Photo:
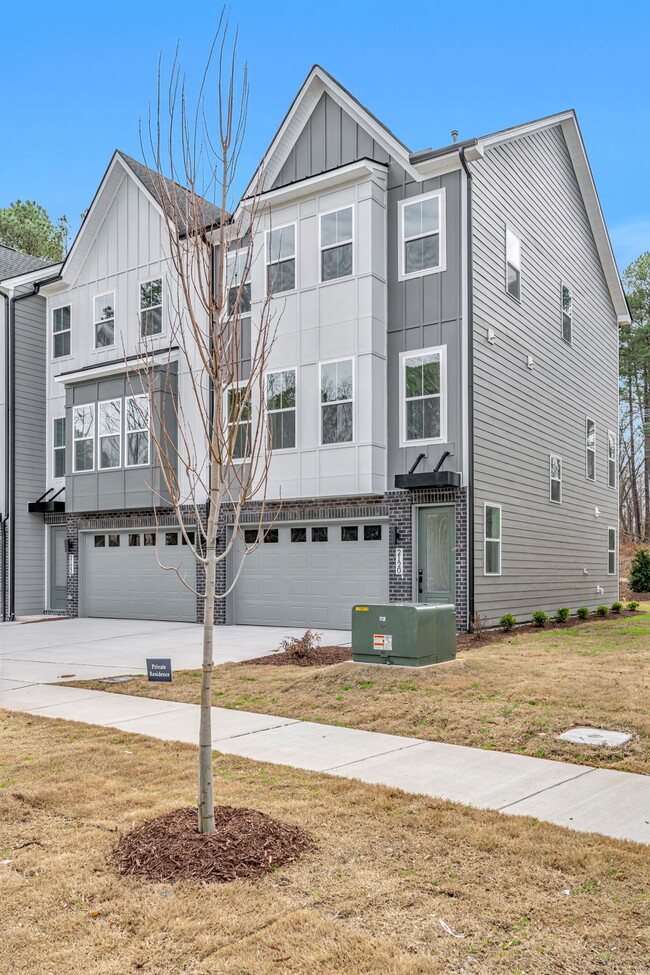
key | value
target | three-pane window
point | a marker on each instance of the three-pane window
(58, 447)
(151, 307)
(61, 332)
(567, 313)
(83, 437)
(492, 555)
(611, 458)
(239, 422)
(513, 264)
(281, 409)
(137, 431)
(422, 381)
(109, 431)
(590, 447)
(556, 478)
(422, 232)
(104, 306)
(336, 244)
(611, 551)
(281, 259)
(337, 402)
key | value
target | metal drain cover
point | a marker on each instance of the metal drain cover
(595, 736)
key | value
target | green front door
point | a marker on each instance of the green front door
(58, 568)
(435, 562)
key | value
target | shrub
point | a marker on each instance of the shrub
(539, 618)
(639, 575)
(301, 646)
(617, 607)
(632, 606)
(602, 610)
(507, 621)
(478, 624)
(562, 614)
(583, 612)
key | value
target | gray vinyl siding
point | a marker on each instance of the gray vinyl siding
(30, 454)
(521, 415)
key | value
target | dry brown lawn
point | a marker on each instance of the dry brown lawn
(529, 898)
(514, 696)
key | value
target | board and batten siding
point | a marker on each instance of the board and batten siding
(522, 415)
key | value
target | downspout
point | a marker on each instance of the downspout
(5, 516)
(470, 398)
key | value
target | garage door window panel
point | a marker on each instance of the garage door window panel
(349, 533)
(137, 432)
(281, 409)
(337, 402)
(109, 428)
(319, 534)
(83, 433)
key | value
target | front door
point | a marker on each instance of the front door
(58, 568)
(436, 546)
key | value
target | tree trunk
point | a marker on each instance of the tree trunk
(206, 791)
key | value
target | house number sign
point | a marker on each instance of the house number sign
(399, 561)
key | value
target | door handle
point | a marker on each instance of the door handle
(419, 580)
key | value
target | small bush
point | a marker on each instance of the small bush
(478, 624)
(617, 607)
(632, 606)
(507, 621)
(583, 612)
(562, 614)
(301, 646)
(639, 576)
(539, 618)
(602, 610)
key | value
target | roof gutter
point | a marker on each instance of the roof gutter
(471, 602)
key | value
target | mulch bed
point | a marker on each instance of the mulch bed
(246, 843)
(627, 595)
(319, 657)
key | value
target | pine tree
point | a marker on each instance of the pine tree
(639, 577)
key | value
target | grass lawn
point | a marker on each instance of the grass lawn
(514, 696)
(528, 898)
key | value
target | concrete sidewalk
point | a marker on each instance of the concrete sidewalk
(616, 804)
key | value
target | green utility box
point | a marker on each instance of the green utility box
(403, 634)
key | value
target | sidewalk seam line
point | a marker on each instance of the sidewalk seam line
(549, 788)
(366, 758)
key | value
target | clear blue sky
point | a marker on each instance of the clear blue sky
(77, 76)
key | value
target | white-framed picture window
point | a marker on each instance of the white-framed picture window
(281, 409)
(61, 332)
(104, 320)
(513, 264)
(336, 244)
(281, 259)
(590, 449)
(422, 235)
(58, 446)
(337, 401)
(423, 407)
(492, 541)
(151, 307)
(612, 458)
(138, 448)
(611, 551)
(83, 437)
(109, 433)
(555, 478)
(566, 300)
(238, 286)
(239, 422)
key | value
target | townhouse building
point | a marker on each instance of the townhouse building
(442, 389)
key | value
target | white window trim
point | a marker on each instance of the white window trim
(268, 264)
(329, 362)
(139, 430)
(288, 409)
(551, 458)
(413, 353)
(103, 348)
(235, 254)
(563, 285)
(588, 449)
(76, 440)
(611, 528)
(510, 229)
(328, 247)
(60, 358)
(156, 335)
(486, 505)
(442, 234)
(55, 476)
(239, 385)
(100, 436)
(610, 434)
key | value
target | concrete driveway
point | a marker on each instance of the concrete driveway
(90, 648)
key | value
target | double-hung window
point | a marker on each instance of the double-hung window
(239, 422)
(83, 436)
(492, 553)
(151, 300)
(336, 244)
(137, 430)
(422, 230)
(337, 401)
(104, 320)
(611, 551)
(590, 449)
(611, 458)
(567, 313)
(58, 447)
(109, 432)
(238, 286)
(423, 408)
(281, 409)
(61, 332)
(281, 259)
(513, 264)
(555, 473)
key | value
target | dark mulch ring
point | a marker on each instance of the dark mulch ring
(320, 657)
(246, 843)
(468, 641)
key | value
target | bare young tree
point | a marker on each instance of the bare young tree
(209, 435)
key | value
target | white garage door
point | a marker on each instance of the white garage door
(123, 579)
(312, 575)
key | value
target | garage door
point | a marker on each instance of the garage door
(312, 575)
(123, 579)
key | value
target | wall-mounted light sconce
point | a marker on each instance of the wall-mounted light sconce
(393, 535)
(69, 546)
(530, 362)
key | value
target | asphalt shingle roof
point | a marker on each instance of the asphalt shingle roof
(175, 197)
(13, 262)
